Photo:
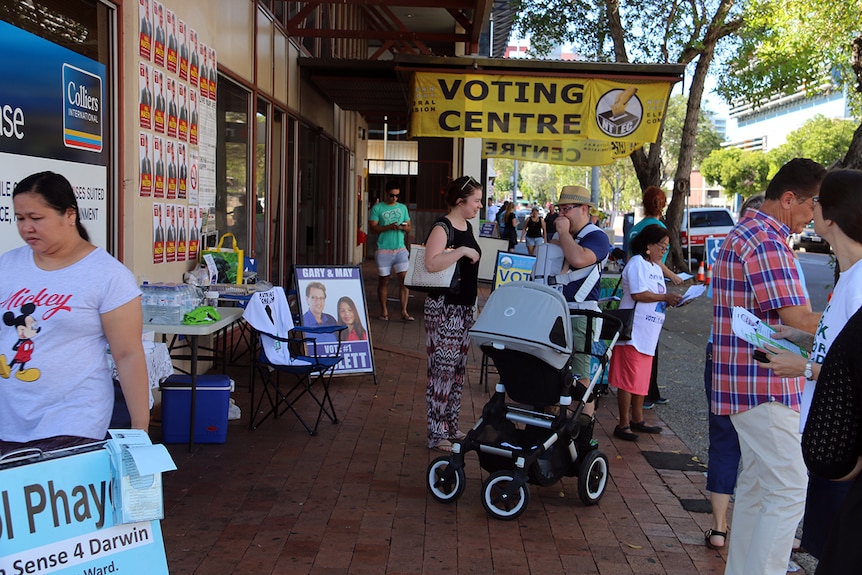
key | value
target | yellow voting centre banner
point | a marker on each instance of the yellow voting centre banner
(568, 152)
(530, 108)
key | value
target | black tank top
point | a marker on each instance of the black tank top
(534, 229)
(468, 270)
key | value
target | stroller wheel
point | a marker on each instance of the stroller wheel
(593, 477)
(502, 497)
(445, 483)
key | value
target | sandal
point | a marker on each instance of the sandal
(642, 426)
(407, 317)
(458, 435)
(625, 433)
(709, 534)
(383, 317)
(443, 445)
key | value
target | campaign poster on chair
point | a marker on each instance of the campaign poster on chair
(56, 516)
(335, 295)
(512, 267)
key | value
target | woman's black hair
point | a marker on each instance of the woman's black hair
(357, 321)
(57, 193)
(652, 234)
(841, 201)
(460, 189)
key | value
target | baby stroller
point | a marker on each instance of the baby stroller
(526, 330)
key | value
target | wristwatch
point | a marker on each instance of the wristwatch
(808, 373)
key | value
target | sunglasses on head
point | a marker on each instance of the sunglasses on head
(470, 182)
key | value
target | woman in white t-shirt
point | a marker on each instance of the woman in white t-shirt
(64, 301)
(838, 219)
(631, 363)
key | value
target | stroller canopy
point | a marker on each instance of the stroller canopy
(528, 317)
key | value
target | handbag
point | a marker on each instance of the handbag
(230, 260)
(419, 278)
(626, 316)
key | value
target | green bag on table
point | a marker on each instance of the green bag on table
(229, 260)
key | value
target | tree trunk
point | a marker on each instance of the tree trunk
(853, 159)
(682, 180)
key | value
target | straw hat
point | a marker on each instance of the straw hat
(575, 195)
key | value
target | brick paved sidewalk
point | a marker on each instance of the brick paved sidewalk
(352, 499)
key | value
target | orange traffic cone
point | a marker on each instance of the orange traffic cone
(700, 276)
(708, 274)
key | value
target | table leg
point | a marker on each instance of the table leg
(193, 341)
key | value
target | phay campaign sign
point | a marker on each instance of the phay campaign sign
(56, 516)
(52, 117)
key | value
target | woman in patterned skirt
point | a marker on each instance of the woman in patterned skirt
(449, 316)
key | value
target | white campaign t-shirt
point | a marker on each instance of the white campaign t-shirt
(845, 301)
(640, 275)
(66, 388)
(269, 313)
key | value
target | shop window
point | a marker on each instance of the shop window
(234, 203)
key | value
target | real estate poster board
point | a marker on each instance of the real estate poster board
(55, 124)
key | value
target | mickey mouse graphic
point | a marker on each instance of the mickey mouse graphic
(27, 329)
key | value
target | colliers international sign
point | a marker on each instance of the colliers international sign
(528, 109)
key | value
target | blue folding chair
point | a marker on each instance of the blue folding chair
(308, 353)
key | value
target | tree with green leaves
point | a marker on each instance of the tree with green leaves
(641, 31)
(747, 172)
(706, 140)
(744, 172)
(824, 140)
(813, 45)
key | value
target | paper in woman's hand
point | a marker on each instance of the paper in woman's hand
(694, 291)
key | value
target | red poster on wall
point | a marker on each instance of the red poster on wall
(146, 170)
(158, 233)
(158, 34)
(145, 39)
(159, 160)
(159, 107)
(145, 101)
(171, 233)
(173, 54)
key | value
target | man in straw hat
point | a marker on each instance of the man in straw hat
(572, 263)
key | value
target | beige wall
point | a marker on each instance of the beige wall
(240, 32)
(137, 215)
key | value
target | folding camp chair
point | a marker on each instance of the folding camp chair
(296, 350)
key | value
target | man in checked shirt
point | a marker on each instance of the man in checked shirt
(755, 269)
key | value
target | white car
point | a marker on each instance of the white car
(809, 240)
(705, 222)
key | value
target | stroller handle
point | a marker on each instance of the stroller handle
(612, 331)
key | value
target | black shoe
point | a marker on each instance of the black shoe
(625, 433)
(642, 426)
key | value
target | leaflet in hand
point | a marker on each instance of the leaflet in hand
(750, 328)
(693, 291)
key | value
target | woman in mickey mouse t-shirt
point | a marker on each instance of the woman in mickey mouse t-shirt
(64, 301)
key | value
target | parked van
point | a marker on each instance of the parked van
(705, 222)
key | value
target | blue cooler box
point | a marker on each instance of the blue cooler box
(211, 408)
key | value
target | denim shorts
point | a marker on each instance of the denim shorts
(389, 259)
(533, 241)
